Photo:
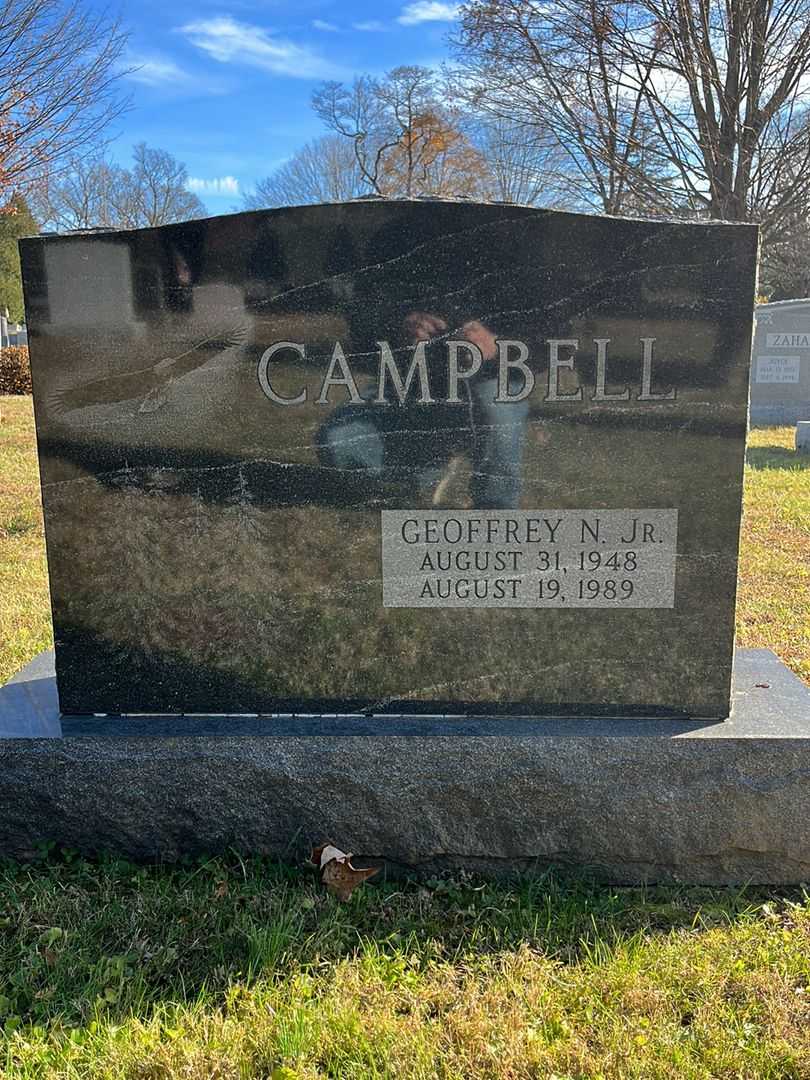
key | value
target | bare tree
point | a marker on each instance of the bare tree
(732, 108)
(324, 170)
(81, 196)
(95, 193)
(405, 141)
(557, 70)
(155, 191)
(785, 270)
(360, 114)
(779, 171)
(524, 167)
(693, 106)
(58, 67)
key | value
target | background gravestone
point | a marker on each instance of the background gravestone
(221, 540)
(780, 367)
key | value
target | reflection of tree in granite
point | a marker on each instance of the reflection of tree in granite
(243, 513)
(142, 579)
(200, 517)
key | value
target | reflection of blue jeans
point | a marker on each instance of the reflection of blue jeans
(369, 439)
(497, 447)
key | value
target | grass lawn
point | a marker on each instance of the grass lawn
(25, 624)
(228, 969)
(773, 592)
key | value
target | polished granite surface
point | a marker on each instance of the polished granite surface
(227, 410)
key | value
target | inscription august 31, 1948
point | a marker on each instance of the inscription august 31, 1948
(529, 558)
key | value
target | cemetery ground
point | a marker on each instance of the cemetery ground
(227, 967)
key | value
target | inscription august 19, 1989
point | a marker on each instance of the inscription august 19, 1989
(542, 558)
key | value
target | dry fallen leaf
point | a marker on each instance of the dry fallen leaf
(337, 872)
(341, 878)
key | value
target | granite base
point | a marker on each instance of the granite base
(626, 801)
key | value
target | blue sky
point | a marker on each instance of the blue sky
(226, 87)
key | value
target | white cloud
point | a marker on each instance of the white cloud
(370, 26)
(427, 11)
(319, 24)
(152, 70)
(226, 40)
(218, 185)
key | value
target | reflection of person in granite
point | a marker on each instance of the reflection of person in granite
(491, 433)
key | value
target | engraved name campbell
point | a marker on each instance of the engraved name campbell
(464, 361)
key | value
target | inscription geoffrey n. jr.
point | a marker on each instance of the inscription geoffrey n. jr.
(530, 558)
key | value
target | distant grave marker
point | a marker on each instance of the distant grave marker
(780, 383)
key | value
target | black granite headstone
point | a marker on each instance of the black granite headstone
(393, 457)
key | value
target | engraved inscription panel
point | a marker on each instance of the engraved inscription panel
(796, 339)
(777, 369)
(530, 558)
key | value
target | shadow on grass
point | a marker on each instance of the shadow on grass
(78, 936)
(775, 457)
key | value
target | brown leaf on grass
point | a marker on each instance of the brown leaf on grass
(337, 872)
(341, 878)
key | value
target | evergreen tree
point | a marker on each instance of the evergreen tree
(15, 221)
